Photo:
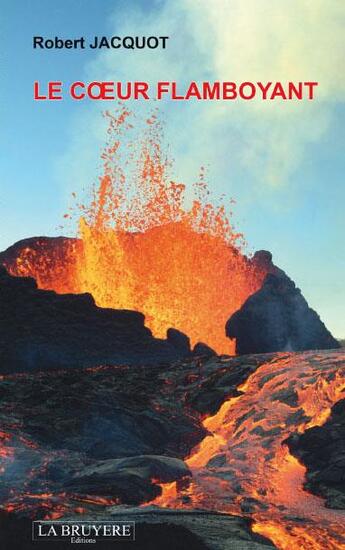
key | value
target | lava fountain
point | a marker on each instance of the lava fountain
(142, 248)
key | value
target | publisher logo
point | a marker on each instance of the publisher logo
(83, 532)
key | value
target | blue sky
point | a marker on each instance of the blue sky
(284, 165)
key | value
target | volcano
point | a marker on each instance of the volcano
(140, 237)
(144, 244)
(122, 395)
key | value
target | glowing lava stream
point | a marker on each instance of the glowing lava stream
(252, 472)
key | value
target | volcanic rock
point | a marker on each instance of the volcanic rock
(179, 340)
(155, 529)
(162, 468)
(76, 443)
(212, 387)
(128, 479)
(40, 329)
(277, 318)
(213, 530)
(203, 350)
(262, 259)
(111, 432)
(322, 450)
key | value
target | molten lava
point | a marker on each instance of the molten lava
(255, 473)
(142, 248)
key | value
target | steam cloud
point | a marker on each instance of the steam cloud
(230, 40)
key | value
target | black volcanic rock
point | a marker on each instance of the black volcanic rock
(179, 340)
(201, 349)
(322, 450)
(262, 259)
(277, 318)
(128, 479)
(112, 432)
(213, 386)
(40, 329)
(154, 530)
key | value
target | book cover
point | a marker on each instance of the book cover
(172, 370)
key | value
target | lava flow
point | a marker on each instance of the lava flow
(142, 248)
(244, 466)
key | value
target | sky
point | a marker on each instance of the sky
(282, 162)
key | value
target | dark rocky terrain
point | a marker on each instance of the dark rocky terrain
(125, 424)
(322, 450)
(277, 318)
(155, 529)
(98, 442)
(40, 329)
(82, 440)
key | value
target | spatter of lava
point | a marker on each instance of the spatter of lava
(143, 248)
(244, 467)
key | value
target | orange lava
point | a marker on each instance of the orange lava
(289, 394)
(148, 244)
(6, 450)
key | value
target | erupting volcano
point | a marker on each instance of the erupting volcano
(141, 247)
(98, 415)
